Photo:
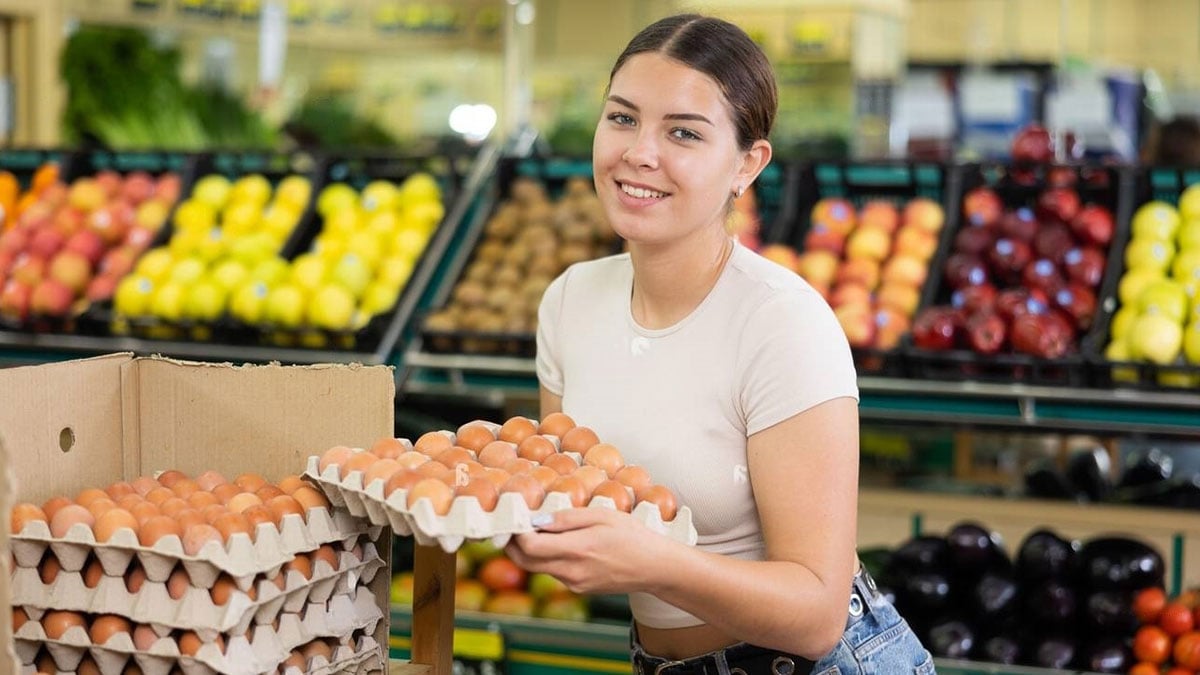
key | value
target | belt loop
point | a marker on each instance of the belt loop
(856, 604)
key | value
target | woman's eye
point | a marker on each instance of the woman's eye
(684, 135)
(620, 118)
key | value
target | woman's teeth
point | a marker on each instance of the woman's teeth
(641, 193)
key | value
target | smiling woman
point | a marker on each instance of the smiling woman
(723, 375)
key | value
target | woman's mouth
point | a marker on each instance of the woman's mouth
(640, 192)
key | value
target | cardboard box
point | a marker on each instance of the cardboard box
(88, 423)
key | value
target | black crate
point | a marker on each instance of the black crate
(22, 163)
(861, 182)
(1018, 186)
(1146, 184)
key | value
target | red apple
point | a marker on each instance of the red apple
(51, 298)
(914, 241)
(28, 269)
(817, 267)
(1043, 273)
(168, 187)
(87, 195)
(512, 603)
(925, 214)
(72, 270)
(46, 242)
(14, 300)
(835, 213)
(102, 287)
(986, 332)
(899, 296)
(982, 206)
(850, 293)
(862, 271)
(118, 261)
(139, 237)
(14, 240)
(68, 220)
(905, 269)
(469, 595)
(87, 243)
(1013, 302)
(1019, 224)
(1008, 258)
(1093, 225)
(137, 187)
(1061, 176)
(1084, 265)
(1061, 204)
(1033, 143)
(974, 240)
(106, 222)
(936, 328)
(1043, 335)
(780, 253)
(974, 298)
(7, 258)
(1079, 302)
(1052, 241)
(54, 195)
(869, 241)
(964, 269)
(858, 323)
(890, 326)
(881, 214)
(821, 238)
(109, 181)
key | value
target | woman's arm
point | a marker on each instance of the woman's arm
(549, 402)
(804, 472)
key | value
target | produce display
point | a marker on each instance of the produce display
(526, 242)
(870, 263)
(1157, 320)
(1025, 269)
(65, 246)
(1169, 632)
(200, 574)
(1056, 603)
(487, 481)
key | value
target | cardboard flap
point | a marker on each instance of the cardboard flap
(197, 416)
(62, 425)
(8, 660)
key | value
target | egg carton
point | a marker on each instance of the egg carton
(365, 656)
(466, 520)
(260, 650)
(242, 558)
(153, 604)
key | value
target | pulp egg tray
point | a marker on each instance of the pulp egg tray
(360, 657)
(195, 610)
(466, 520)
(241, 557)
(270, 646)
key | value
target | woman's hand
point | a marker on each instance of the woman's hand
(591, 550)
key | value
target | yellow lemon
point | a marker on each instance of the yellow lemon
(133, 294)
(213, 190)
(294, 191)
(252, 188)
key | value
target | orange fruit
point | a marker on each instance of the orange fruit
(1151, 644)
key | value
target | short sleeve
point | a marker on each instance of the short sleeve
(793, 355)
(549, 351)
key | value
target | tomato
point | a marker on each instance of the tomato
(1151, 644)
(1187, 650)
(1176, 670)
(1176, 619)
(1145, 668)
(1148, 604)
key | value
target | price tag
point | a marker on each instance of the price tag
(473, 643)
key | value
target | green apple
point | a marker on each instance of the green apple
(155, 264)
(394, 271)
(212, 190)
(271, 271)
(308, 271)
(187, 271)
(542, 585)
(401, 589)
(294, 192)
(205, 300)
(352, 273)
(229, 274)
(408, 243)
(1134, 281)
(167, 301)
(1155, 338)
(1186, 266)
(1118, 352)
(1149, 254)
(563, 607)
(1191, 343)
(1166, 297)
(1188, 236)
(1155, 220)
(248, 301)
(1121, 321)
(133, 295)
(331, 307)
(378, 298)
(380, 196)
(469, 595)
(336, 197)
(366, 245)
(1189, 202)
(480, 550)
(285, 306)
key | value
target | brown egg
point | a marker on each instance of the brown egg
(201, 499)
(528, 487)
(118, 490)
(242, 501)
(325, 553)
(388, 448)
(188, 518)
(249, 482)
(294, 660)
(23, 514)
(661, 496)
(127, 501)
(98, 506)
(144, 511)
(615, 491)
(133, 669)
(159, 495)
(474, 436)
(113, 520)
(93, 573)
(49, 568)
(68, 516)
(229, 524)
(412, 459)
(225, 492)
(562, 464)
(544, 475)
(310, 498)
(268, 492)
(288, 484)
(381, 470)
(135, 578)
(52, 506)
(185, 487)
(285, 505)
(89, 495)
(156, 528)
(440, 495)
(45, 664)
(224, 588)
(335, 456)
(497, 453)
(190, 643)
(87, 666)
(497, 477)
(633, 476)
(482, 490)
(107, 625)
(519, 465)
(360, 461)
(19, 617)
(454, 455)
(213, 511)
(259, 514)
(178, 583)
(403, 479)
(170, 477)
(300, 563)
(590, 476)
(144, 637)
(535, 448)
(317, 648)
(435, 470)
(55, 623)
(573, 488)
(144, 484)
(432, 442)
(173, 506)
(517, 429)
(556, 424)
(196, 536)
(605, 457)
(579, 439)
(209, 480)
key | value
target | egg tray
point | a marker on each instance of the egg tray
(241, 558)
(196, 611)
(466, 520)
(341, 616)
(365, 657)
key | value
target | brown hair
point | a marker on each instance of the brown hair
(725, 53)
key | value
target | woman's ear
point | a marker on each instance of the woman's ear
(754, 161)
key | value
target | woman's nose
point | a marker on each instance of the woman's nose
(641, 152)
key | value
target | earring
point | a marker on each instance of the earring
(738, 192)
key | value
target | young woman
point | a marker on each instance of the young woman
(724, 375)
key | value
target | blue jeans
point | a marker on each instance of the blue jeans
(877, 641)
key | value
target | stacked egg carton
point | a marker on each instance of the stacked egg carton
(293, 598)
(364, 492)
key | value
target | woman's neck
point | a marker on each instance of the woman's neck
(669, 282)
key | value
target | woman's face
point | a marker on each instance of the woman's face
(665, 153)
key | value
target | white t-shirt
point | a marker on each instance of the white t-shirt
(682, 401)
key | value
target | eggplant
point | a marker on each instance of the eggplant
(919, 554)
(1120, 564)
(1152, 466)
(1053, 652)
(1051, 605)
(1044, 556)
(1090, 474)
(926, 593)
(1110, 613)
(1001, 648)
(951, 639)
(972, 550)
(1106, 655)
(994, 598)
(1182, 493)
(1044, 480)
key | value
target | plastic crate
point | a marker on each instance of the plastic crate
(1147, 184)
(859, 183)
(22, 163)
(1019, 186)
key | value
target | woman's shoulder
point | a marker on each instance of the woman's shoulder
(597, 274)
(757, 278)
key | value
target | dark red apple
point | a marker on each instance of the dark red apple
(936, 328)
(102, 287)
(1084, 265)
(1033, 143)
(822, 238)
(1013, 302)
(964, 269)
(14, 300)
(986, 332)
(982, 206)
(1061, 176)
(1061, 204)
(1079, 302)
(973, 240)
(1043, 335)
(974, 298)
(1052, 241)
(1008, 258)
(1043, 273)
(51, 298)
(1019, 224)
(46, 242)
(1093, 225)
